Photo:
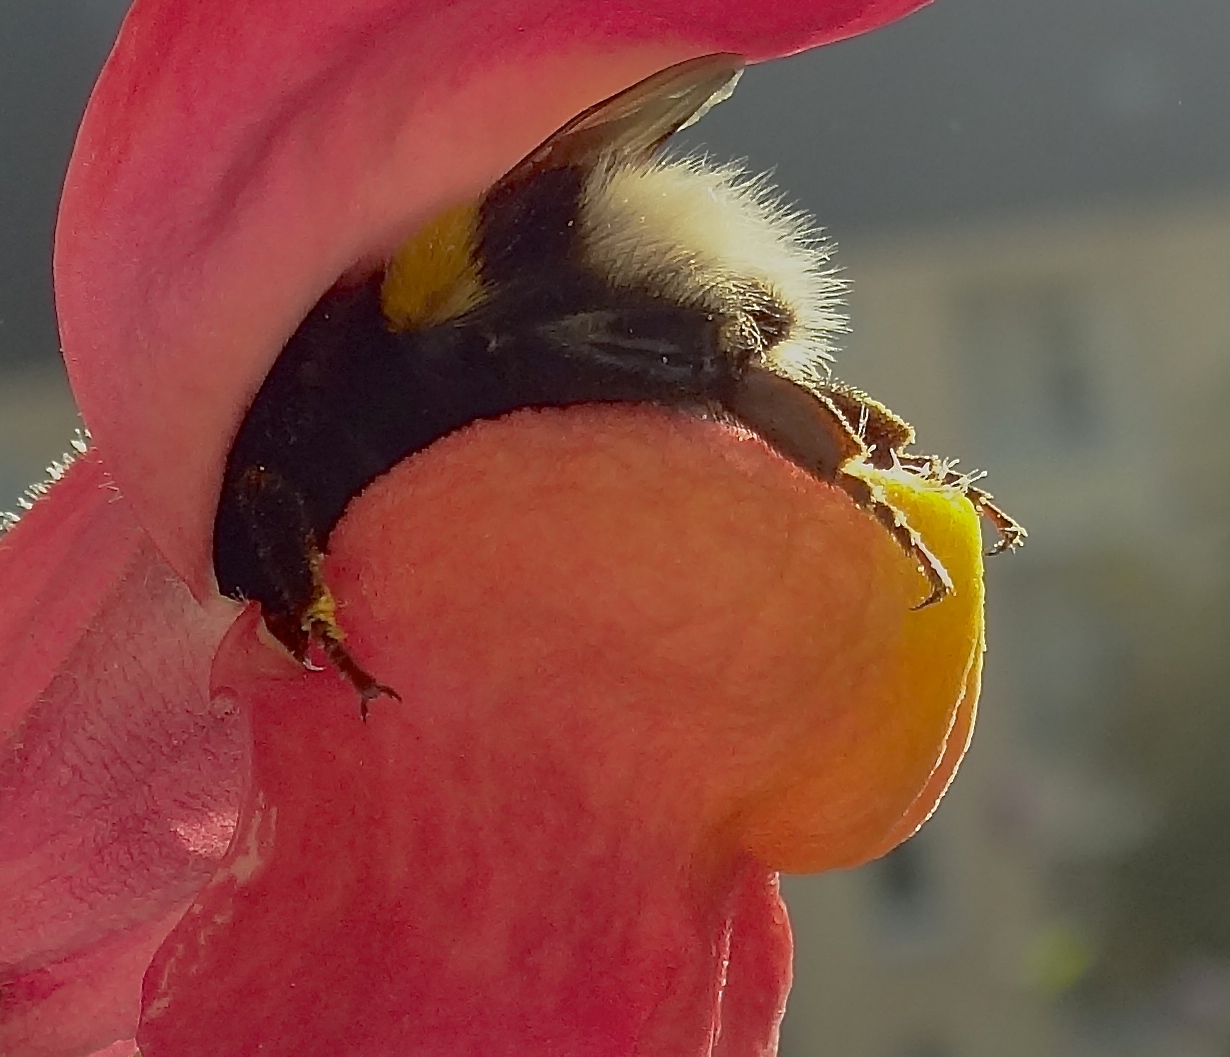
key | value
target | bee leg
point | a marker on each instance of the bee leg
(1011, 532)
(804, 426)
(364, 683)
(885, 433)
(319, 623)
(263, 528)
(871, 499)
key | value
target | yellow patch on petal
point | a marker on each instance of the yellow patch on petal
(952, 530)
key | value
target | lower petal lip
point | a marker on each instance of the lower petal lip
(606, 626)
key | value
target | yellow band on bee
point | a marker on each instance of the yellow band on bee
(433, 278)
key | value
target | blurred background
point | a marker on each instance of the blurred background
(1032, 201)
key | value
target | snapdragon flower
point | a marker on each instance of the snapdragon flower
(644, 661)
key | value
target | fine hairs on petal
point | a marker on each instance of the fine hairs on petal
(79, 446)
(665, 223)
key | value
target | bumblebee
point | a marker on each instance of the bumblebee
(597, 270)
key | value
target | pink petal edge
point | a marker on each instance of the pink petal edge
(541, 847)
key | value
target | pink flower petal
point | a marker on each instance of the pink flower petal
(237, 156)
(119, 780)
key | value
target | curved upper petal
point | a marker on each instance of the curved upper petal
(237, 156)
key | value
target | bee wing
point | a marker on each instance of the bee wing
(637, 120)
